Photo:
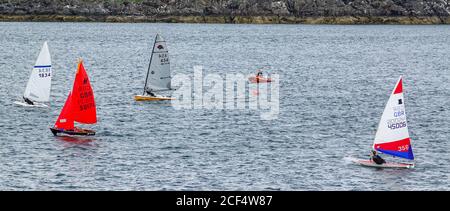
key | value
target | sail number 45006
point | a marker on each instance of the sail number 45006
(397, 125)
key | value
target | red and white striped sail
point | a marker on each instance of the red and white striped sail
(392, 136)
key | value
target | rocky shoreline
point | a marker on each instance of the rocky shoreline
(229, 20)
(230, 11)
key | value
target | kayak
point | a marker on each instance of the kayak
(254, 79)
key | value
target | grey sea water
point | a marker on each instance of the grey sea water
(335, 81)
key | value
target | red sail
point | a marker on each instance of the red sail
(65, 119)
(84, 110)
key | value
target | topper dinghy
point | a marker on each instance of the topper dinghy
(79, 107)
(37, 91)
(158, 74)
(392, 137)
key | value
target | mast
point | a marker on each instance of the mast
(149, 64)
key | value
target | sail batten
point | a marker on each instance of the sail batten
(39, 84)
(392, 136)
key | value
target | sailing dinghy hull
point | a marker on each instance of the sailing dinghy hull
(369, 163)
(36, 105)
(150, 98)
(78, 132)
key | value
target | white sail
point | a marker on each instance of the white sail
(39, 84)
(158, 76)
(392, 136)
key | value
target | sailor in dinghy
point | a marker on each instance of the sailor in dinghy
(392, 137)
(37, 91)
(28, 101)
(158, 74)
(377, 158)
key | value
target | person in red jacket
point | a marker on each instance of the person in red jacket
(259, 74)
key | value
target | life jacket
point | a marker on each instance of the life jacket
(378, 160)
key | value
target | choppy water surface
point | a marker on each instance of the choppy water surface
(335, 81)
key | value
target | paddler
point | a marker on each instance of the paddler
(259, 73)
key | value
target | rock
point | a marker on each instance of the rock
(279, 8)
(257, 11)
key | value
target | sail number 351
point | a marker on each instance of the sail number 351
(403, 148)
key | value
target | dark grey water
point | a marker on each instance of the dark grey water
(335, 81)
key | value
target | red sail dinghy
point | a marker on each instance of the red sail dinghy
(79, 107)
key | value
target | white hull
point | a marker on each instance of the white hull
(37, 105)
(369, 163)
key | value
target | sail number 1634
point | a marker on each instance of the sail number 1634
(44, 72)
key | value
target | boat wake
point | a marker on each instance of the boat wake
(349, 160)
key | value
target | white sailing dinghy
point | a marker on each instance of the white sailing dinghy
(158, 74)
(392, 137)
(37, 91)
